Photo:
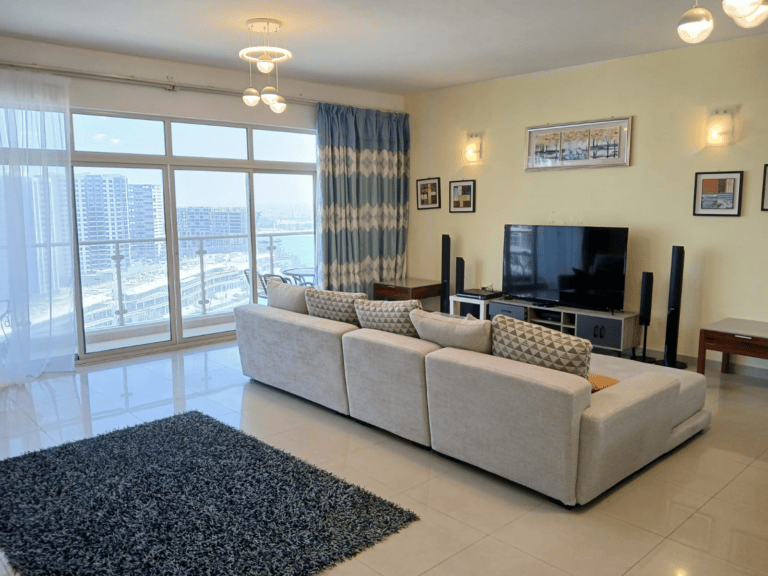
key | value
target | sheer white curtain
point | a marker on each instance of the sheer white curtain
(37, 299)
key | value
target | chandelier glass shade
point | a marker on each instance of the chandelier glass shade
(740, 8)
(756, 18)
(278, 106)
(269, 95)
(695, 25)
(251, 96)
(265, 64)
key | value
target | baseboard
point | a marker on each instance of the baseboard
(714, 365)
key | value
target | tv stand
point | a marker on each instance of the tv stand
(614, 330)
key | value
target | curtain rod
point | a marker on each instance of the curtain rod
(168, 85)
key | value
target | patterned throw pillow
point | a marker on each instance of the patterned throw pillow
(339, 306)
(534, 344)
(388, 316)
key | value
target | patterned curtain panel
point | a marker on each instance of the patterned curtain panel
(362, 197)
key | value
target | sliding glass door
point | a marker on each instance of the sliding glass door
(121, 231)
(214, 255)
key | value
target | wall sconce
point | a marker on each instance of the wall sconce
(720, 127)
(473, 149)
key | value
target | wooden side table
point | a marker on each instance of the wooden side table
(733, 336)
(407, 289)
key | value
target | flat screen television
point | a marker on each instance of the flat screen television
(577, 266)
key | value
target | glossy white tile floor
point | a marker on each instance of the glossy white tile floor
(700, 511)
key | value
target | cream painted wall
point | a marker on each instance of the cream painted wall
(668, 95)
(145, 100)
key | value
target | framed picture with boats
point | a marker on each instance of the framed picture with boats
(594, 144)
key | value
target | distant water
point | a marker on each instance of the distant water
(300, 249)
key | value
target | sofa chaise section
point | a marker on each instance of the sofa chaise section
(386, 381)
(298, 353)
(516, 420)
(630, 424)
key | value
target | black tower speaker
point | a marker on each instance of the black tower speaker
(445, 275)
(646, 298)
(673, 309)
(459, 275)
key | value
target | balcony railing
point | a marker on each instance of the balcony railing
(129, 300)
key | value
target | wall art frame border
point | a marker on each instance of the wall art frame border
(424, 197)
(462, 196)
(700, 206)
(578, 145)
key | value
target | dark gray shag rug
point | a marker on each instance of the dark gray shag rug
(183, 495)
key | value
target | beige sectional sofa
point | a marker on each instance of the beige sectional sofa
(535, 426)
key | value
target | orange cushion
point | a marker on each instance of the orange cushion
(600, 382)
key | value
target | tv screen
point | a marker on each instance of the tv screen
(577, 266)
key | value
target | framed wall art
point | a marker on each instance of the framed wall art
(764, 206)
(581, 145)
(428, 193)
(462, 196)
(717, 194)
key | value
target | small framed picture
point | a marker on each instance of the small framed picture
(428, 193)
(764, 206)
(462, 196)
(718, 194)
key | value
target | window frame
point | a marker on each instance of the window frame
(169, 163)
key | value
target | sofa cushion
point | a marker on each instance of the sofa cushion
(339, 306)
(286, 296)
(387, 316)
(453, 331)
(534, 344)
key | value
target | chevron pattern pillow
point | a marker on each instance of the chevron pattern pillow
(387, 316)
(534, 344)
(339, 306)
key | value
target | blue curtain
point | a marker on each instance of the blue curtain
(362, 197)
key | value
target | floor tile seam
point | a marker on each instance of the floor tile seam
(405, 493)
(215, 402)
(629, 524)
(512, 485)
(484, 536)
(350, 452)
(377, 480)
(528, 553)
(8, 435)
(708, 495)
(731, 481)
(661, 483)
(740, 505)
(559, 568)
(644, 556)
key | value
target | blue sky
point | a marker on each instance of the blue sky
(115, 135)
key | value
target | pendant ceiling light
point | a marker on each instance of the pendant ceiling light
(695, 25)
(266, 57)
(740, 8)
(756, 18)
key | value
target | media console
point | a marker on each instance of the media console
(617, 331)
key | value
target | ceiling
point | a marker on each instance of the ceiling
(395, 46)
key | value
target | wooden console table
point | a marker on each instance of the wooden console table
(733, 336)
(407, 289)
